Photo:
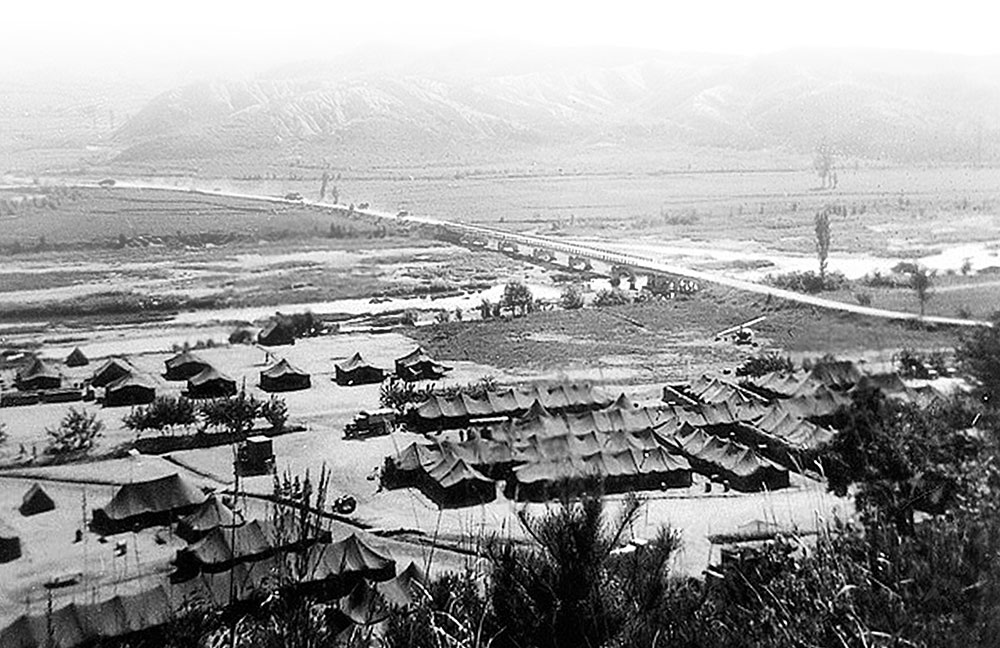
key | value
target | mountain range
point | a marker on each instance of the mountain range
(398, 103)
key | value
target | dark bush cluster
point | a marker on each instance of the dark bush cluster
(808, 281)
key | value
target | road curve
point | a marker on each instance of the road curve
(596, 252)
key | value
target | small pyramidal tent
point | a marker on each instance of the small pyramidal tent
(77, 358)
(36, 501)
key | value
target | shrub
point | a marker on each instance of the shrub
(241, 336)
(808, 281)
(863, 298)
(236, 413)
(611, 297)
(275, 412)
(571, 297)
(76, 433)
(911, 364)
(164, 412)
(765, 364)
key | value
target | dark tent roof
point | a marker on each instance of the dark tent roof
(76, 358)
(357, 371)
(354, 362)
(211, 383)
(417, 365)
(277, 332)
(283, 376)
(222, 547)
(209, 515)
(10, 542)
(840, 375)
(36, 500)
(164, 495)
(39, 375)
(185, 365)
(130, 389)
(113, 369)
(184, 358)
(356, 555)
(408, 586)
(364, 605)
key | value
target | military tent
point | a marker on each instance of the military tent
(113, 369)
(76, 358)
(143, 504)
(130, 389)
(10, 543)
(36, 501)
(838, 375)
(417, 365)
(222, 548)
(733, 463)
(406, 588)
(184, 365)
(276, 333)
(210, 383)
(212, 513)
(38, 375)
(356, 371)
(453, 483)
(364, 604)
(354, 557)
(283, 376)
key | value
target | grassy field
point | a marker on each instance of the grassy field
(670, 339)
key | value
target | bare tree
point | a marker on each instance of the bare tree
(922, 282)
(823, 240)
(823, 164)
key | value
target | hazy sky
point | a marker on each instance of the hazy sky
(182, 39)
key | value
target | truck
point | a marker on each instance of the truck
(377, 422)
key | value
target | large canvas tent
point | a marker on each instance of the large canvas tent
(10, 542)
(353, 557)
(184, 365)
(356, 371)
(733, 463)
(130, 389)
(210, 383)
(38, 375)
(142, 504)
(36, 501)
(211, 514)
(113, 369)
(223, 548)
(417, 365)
(283, 376)
(276, 333)
(76, 358)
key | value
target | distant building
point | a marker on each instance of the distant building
(356, 371)
(276, 333)
(283, 376)
(211, 383)
(184, 366)
(76, 358)
(38, 375)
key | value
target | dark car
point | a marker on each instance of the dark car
(107, 182)
(293, 195)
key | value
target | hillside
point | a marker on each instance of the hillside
(880, 105)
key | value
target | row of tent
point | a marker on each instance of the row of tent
(544, 453)
(360, 576)
(440, 412)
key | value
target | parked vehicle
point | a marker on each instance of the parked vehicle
(368, 424)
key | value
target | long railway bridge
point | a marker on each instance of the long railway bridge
(582, 256)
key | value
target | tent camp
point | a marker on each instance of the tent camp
(143, 504)
(10, 542)
(38, 375)
(130, 389)
(453, 483)
(283, 376)
(211, 383)
(76, 358)
(113, 369)
(222, 548)
(184, 365)
(276, 333)
(417, 365)
(36, 501)
(212, 513)
(78, 624)
(356, 371)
